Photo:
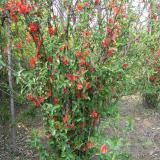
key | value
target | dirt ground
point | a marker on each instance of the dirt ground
(144, 139)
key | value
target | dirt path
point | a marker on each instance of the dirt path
(144, 139)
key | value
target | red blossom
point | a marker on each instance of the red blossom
(32, 62)
(55, 101)
(62, 49)
(87, 4)
(65, 90)
(30, 97)
(23, 9)
(65, 118)
(71, 77)
(116, 26)
(110, 53)
(87, 53)
(90, 145)
(104, 149)
(78, 54)
(110, 20)
(49, 93)
(108, 30)
(106, 43)
(124, 15)
(82, 62)
(28, 39)
(88, 85)
(13, 17)
(38, 55)
(52, 31)
(97, 2)
(125, 66)
(79, 86)
(18, 46)
(65, 61)
(50, 59)
(70, 126)
(84, 149)
(115, 10)
(33, 27)
(37, 102)
(54, 17)
(94, 114)
(79, 7)
(152, 78)
(35, 38)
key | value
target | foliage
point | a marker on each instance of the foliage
(82, 59)
(71, 76)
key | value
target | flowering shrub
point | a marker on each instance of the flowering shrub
(73, 76)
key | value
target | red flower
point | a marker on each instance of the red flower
(84, 149)
(106, 43)
(50, 59)
(13, 17)
(110, 20)
(70, 126)
(30, 97)
(110, 53)
(54, 17)
(88, 85)
(41, 99)
(71, 77)
(152, 78)
(37, 102)
(115, 10)
(78, 54)
(79, 7)
(90, 145)
(87, 4)
(62, 48)
(104, 149)
(124, 15)
(35, 38)
(32, 62)
(87, 53)
(23, 9)
(65, 61)
(94, 114)
(79, 86)
(125, 66)
(65, 90)
(116, 26)
(65, 118)
(108, 30)
(97, 2)
(82, 62)
(18, 46)
(33, 27)
(49, 93)
(55, 101)
(52, 31)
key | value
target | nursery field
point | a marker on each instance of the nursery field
(143, 141)
(79, 80)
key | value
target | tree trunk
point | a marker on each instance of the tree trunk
(10, 81)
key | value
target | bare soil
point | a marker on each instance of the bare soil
(144, 139)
